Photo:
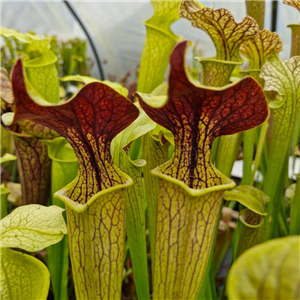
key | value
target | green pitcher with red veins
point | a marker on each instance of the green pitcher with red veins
(95, 200)
(190, 187)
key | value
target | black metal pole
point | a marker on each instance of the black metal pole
(274, 16)
(89, 37)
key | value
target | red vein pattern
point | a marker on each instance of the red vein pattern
(197, 115)
(34, 169)
(89, 122)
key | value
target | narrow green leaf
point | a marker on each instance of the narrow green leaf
(4, 192)
(142, 125)
(295, 210)
(33, 227)
(228, 148)
(259, 274)
(135, 202)
(23, 277)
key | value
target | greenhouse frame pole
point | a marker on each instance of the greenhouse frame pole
(88, 35)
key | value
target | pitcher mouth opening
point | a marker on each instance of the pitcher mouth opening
(80, 208)
(226, 183)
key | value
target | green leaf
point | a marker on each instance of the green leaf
(23, 277)
(155, 152)
(135, 202)
(282, 77)
(250, 197)
(159, 43)
(267, 271)
(7, 157)
(33, 227)
(48, 58)
(37, 43)
(138, 128)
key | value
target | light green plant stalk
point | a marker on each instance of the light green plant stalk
(135, 200)
(295, 209)
(281, 77)
(190, 188)
(95, 200)
(32, 228)
(295, 47)
(4, 195)
(256, 10)
(64, 169)
(5, 191)
(156, 149)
